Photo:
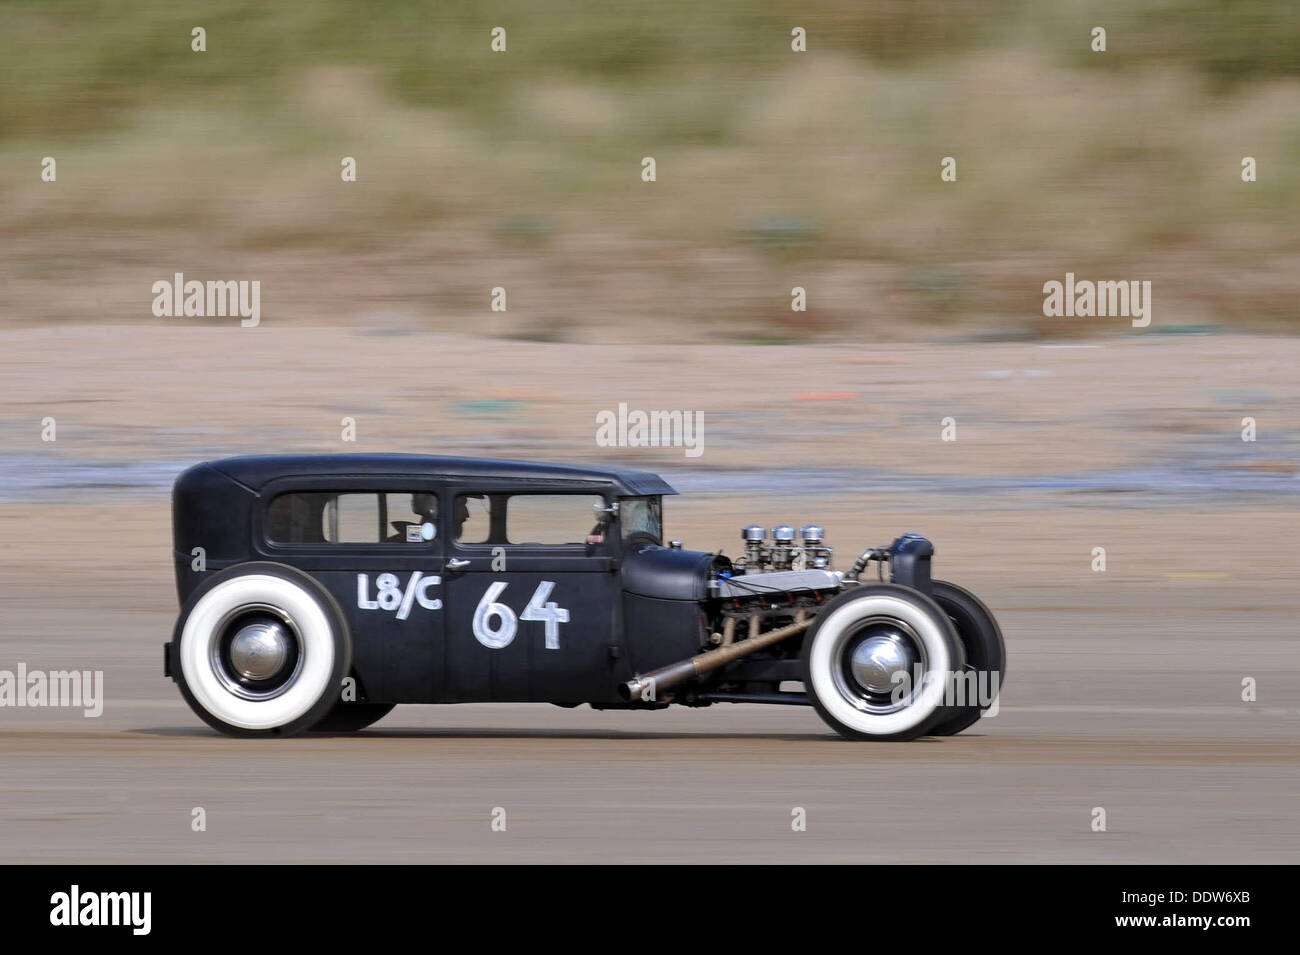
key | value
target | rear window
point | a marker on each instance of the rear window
(352, 517)
(542, 519)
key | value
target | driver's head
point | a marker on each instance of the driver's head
(426, 505)
(461, 512)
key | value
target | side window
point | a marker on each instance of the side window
(296, 518)
(331, 517)
(545, 519)
(351, 519)
(550, 518)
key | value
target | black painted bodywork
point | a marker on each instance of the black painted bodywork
(432, 655)
(631, 607)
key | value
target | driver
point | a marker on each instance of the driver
(424, 504)
(460, 514)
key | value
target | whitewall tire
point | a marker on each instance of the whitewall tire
(878, 663)
(261, 649)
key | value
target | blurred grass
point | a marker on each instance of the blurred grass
(775, 169)
(78, 62)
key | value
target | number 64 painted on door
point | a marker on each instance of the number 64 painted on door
(501, 634)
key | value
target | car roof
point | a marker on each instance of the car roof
(254, 471)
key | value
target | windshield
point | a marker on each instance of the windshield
(641, 515)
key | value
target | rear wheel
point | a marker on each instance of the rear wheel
(986, 655)
(877, 661)
(348, 717)
(261, 649)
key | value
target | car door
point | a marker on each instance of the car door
(531, 591)
(363, 540)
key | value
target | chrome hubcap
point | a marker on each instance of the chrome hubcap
(871, 660)
(875, 661)
(259, 650)
(256, 652)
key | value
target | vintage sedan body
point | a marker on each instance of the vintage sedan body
(319, 591)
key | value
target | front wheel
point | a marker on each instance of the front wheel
(878, 660)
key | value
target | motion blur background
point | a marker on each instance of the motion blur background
(775, 169)
(522, 169)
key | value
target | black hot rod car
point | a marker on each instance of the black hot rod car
(321, 591)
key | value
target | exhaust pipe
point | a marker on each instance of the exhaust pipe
(647, 686)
